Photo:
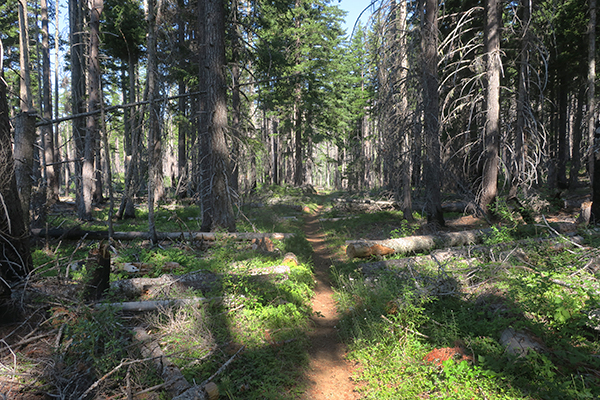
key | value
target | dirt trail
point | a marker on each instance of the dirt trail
(329, 373)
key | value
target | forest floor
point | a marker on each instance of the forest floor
(329, 374)
(315, 360)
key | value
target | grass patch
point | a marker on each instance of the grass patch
(394, 319)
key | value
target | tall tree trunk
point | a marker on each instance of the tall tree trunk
(47, 131)
(154, 142)
(522, 98)
(57, 157)
(591, 92)
(236, 103)
(297, 109)
(204, 140)
(221, 204)
(591, 120)
(431, 114)
(405, 148)
(132, 145)
(563, 140)
(91, 134)
(25, 122)
(77, 94)
(183, 123)
(577, 136)
(489, 185)
(15, 256)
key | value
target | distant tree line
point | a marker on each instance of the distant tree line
(210, 99)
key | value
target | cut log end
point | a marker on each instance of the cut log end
(364, 250)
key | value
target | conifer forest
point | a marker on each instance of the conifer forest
(129, 124)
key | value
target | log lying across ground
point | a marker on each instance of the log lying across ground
(75, 234)
(199, 280)
(175, 383)
(458, 207)
(152, 305)
(368, 248)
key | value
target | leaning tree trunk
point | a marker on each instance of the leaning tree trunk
(15, 256)
(489, 185)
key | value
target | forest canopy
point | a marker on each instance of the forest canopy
(210, 100)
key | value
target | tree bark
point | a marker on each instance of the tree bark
(77, 94)
(98, 273)
(220, 212)
(89, 155)
(183, 123)
(25, 122)
(563, 140)
(591, 101)
(593, 134)
(236, 103)
(47, 130)
(368, 248)
(489, 185)
(431, 114)
(15, 255)
(577, 136)
(154, 141)
(522, 98)
(23, 156)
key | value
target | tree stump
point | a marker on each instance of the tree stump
(98, 273)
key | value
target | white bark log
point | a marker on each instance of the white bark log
(367, 248)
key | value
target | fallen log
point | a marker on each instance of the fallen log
(76, 233)
(199, 280)
(151, 305)
(368, 248)
(176, 384)
(165, 284)
(501, 251)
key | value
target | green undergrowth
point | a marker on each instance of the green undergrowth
(394, 318)
(257, 314)
(259, 305)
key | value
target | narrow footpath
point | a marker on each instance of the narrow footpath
(329, 373)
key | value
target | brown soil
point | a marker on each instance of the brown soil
(329, 375)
